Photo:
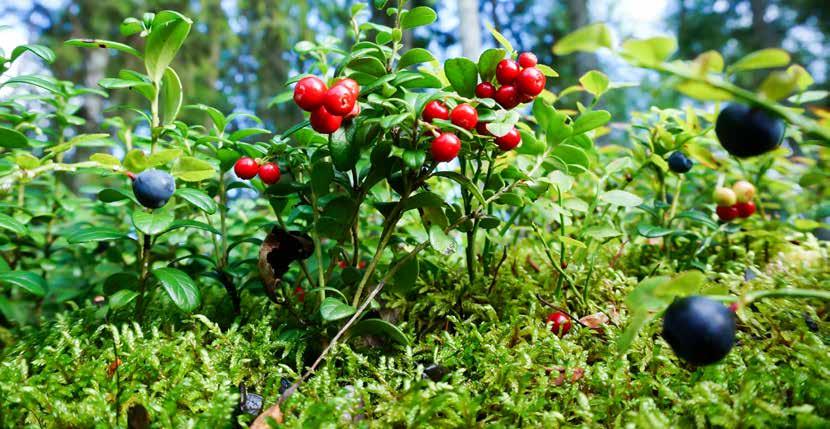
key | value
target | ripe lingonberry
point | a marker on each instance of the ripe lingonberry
(464, 116)
(246, 168)
(531, 81)
(746, 209)
(353, 86)
(339, 100)
(354, 113)
(435, 110)
(509, 140)
(269, 173)
(507, 96)
(481, 128)
(560, 323)
(528, 59)
(445, 147)
(485, 90)
(309, 93)
(299, 292)
(744, 191)
(324, 122)
(507, 71)
(727, 213)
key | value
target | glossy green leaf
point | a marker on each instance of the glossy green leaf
(12, 139)
(172, 95)
(198, 199)
(179, 287)
(418, 17)
(463, 75)
(26, 280)
(332, 309)
(761, 59)
(381, 328)
(415, 56)
(586, 39)
(94, 234)
(11, 224)
(192, 169)
(152, 223)
(166, 37)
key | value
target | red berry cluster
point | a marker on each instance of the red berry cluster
(328, 106)
(247, 168)
(735, 202)
(520, 82)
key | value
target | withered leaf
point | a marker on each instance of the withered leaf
(278, 251)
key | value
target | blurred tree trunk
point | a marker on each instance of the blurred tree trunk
(764, 33)
(470, 28)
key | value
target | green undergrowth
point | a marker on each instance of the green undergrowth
(504, 369)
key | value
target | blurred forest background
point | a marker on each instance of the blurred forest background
(240, 52)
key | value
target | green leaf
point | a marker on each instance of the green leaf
(415, 56)
(46, 83)
(111, 195)
(171, 96)
(13, 225)
(595, 82)
(586, 39)
(463, 76)
(26, 161)
(651, 51)
(369, 65)
(189, 223)
(332, 309)
(247, 132)
(103, 44)
(588, 121)
(683, 284)
(192, 169)
(42, 51)
(135, 161)
(418, 17)
(116, 83)
(571, 155)
(405, 277)
(180, 287)
(638, 320)
(499, 37)
(122, 298)
(94, 234)
(652, 231)
(780, 84)
(379, 327)
(487, 62)
(762, 59)
(162, 157)
(440, 241)
(423, 199)
(152, 223)
(26, 280)
(344, 155)
(463, 181)
(166, 36)
(198, 199)
(12, 139)
(621, 198)
(321, 177)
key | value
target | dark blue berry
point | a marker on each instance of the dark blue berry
(153, 188)
(748, 131)
(699, 330)
(679, 162)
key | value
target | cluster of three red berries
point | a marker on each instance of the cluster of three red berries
(328, 106)
(446, 146)
(520, 82)
(735, 202)
(247, 168)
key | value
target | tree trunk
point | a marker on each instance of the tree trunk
(764, 34)
(470, 28)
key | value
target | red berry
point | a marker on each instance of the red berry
(531, 81)
(246, 168)
(509, 140)
(342, 264)
(485, 90)
(435, 110)
(309, 93)
(465, 116)
(354, 113)
(524, 98)
(299, 292)
(339, 100)
(733, 307)
(324, 122)
(746, 209)
(507, 96)
(727, 213)
(507, 71)
(528, 59)
(353, 86)
(269, 173)
(481, 128)
(560, 323)
(361, 265)
(445, 147)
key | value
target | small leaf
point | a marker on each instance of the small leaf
(440, 241)
(381, 328)
(94, 234)
(586, 39)
(590, 120)
(652, 231)
(499, 37)
(122, 298)
(42, 51)
(683, 284)
(415, 56)
(26, 280)
(190, 169)
(12, 139)
(171, 95)
(198, 199)
(621, 198)
(103, 44)
(332, 309)
(595, 82)
(487, 62)
(9, 223)
(417, 17)
(650, 51)
(180, 287)
(167, 35)
(463, 75)
(762, 59)
(152, 223)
